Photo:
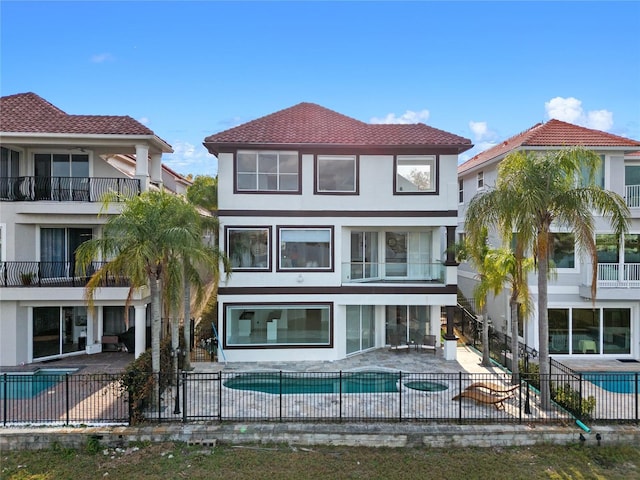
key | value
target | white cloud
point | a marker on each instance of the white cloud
(481, 132)
(187, 158)
(570, 110)
(407, 117)
(600, 119)
(102, 57)
(144, 120)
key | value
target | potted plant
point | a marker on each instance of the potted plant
(26, 277)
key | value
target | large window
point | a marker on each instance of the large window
(598, 175)
(336, 174)
(306, 248)
(562, 250)
(589, 331)
(249, 248)
(278, 325)
(415, 174)
(267, 171)
(364, 255)
(57, 330)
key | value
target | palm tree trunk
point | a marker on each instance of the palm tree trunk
(155, 323)
(515, 350)
(486, 353)
(543, 331)
(187, 323)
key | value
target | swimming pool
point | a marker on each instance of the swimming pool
(30, 384)
(349, 382)
(617, 382)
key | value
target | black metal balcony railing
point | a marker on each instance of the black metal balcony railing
(66, 189)
(53, 274)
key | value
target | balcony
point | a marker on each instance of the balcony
(52, 274)
(66, 189)
(392, 272)
(632, 196)
(615, 275)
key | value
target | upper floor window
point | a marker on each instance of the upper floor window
(249, 248)
(632, 185)
(415, 174)
(480, 180)
(598, 175)
(460, 191)
(267, 171)
(306, 248)
(562, 250)
(336, 174)
(9, 171)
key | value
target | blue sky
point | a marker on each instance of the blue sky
(483, 70)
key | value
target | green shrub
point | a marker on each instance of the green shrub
(569, 398)
(141, 385)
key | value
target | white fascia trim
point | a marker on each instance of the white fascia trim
(88, 139)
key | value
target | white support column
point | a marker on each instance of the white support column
(156, 168)
(141, 329)
(142, 166)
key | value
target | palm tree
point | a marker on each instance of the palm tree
(534, 191)
(147, 243)
(490, 280)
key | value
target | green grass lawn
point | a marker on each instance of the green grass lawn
(176, 461)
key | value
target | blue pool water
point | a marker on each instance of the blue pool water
(352, 382)
(29, 385)
(618, 382)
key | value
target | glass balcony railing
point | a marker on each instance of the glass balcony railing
(363, 272)
(65, 189)
(52, 274)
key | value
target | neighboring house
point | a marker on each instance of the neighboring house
(54, 171)
(577, 326)
(337, 232)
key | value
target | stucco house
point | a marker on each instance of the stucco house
(337, 231)
(608, 326)
(54, 171)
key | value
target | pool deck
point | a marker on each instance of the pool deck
(468, 360)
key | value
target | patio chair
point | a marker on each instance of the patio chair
(484, 398)
(428, 344)
(493, 388)
(395, 344)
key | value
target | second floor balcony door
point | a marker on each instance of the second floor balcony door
(57, 250)
(61, 176)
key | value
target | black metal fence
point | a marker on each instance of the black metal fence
(53, 274)
(385, 396)
(66, 189)
(55, 398)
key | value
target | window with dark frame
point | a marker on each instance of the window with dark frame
(415, 174)
(267, 171)
(336, 174)
(305, 248)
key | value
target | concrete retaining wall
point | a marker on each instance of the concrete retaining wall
(369, 435)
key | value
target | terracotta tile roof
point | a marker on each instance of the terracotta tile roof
(554, 133)
(311, 124)
(634, 154)
(30, 113)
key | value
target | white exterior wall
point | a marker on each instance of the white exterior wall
(376, 174)
(570, 288)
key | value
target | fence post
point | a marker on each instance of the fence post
(637, 387)
(580, 397)
(184, 396)
(281, 395)
(340, 397)
(460, 402)
(400, 396)
(220, 396)
(5, 395)
(66, 383)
